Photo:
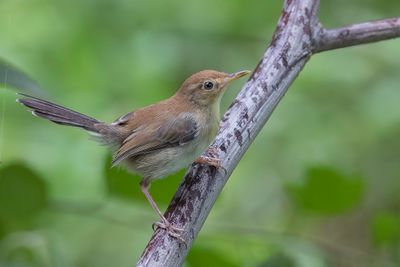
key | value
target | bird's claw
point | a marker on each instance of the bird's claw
(211, 162)
(173, 231)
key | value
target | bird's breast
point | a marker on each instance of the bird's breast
(163, 162)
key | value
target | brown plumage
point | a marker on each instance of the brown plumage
(159, 139)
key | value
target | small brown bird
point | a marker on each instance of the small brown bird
(159, 139)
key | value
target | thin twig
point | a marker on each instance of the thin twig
(356, 34)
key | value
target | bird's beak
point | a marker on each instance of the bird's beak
(236, 75)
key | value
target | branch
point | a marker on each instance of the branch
(356, 34)
(297, 35)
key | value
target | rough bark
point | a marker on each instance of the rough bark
(297, 36)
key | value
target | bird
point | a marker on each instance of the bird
(157, 140)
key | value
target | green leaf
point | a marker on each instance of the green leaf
(327, 191)
(23, 193)
(386, 229)
(12, 77)
(200, 256)
(121, 183)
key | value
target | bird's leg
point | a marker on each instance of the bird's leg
(164, 223)
(211, 162)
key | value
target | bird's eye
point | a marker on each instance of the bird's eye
(208, 85)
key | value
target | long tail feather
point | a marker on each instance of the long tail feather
(58, 114)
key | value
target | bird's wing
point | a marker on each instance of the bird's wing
(173, 132)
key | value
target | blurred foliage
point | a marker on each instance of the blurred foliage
(327, 191)
(386, 229)
(279, 260)
(105, 58)
(206, 257)
(23, 194)
(15, 78)
(118, 181)
(23, 197)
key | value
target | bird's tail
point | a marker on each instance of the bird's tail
(59, 114)
(106, 134)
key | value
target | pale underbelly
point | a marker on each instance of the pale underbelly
(159, 164)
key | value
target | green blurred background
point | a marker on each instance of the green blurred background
(319, 187)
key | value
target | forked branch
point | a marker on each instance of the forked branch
(297, 36)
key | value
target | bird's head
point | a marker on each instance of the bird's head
(206, 87)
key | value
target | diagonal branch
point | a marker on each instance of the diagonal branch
(279, 66)
(297, 35)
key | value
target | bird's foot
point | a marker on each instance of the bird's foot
(171, 230)
(211, 162)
